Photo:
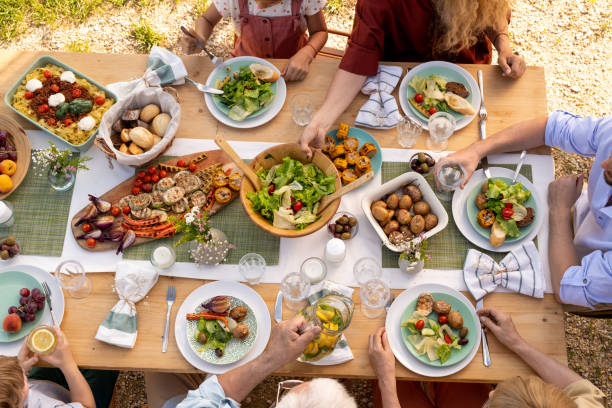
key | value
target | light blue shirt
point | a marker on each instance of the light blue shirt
(209, 394)
(590, 282)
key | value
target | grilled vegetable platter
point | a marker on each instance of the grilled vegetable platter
(136, 211)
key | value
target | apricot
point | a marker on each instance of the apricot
(11, 323)
(6, 184)
(8, 167)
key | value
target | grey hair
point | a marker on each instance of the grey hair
(319, 393)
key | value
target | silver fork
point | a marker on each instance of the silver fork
(482, 114)
(48, 300)
(170, 297)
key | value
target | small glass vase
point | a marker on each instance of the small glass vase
(411, 267)
(212, 253)
(61, 181)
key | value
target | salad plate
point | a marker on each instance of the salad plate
(396, 340)
(10, 284)
(248, 296)
(260, 116)
(447, 71)
(463, 199)
(362, 137)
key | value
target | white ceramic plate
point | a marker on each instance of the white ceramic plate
(57, 301)
(275, 106)
(395, 184)
(459, 208)
(238, 290)
(394, 332)
(450, 71)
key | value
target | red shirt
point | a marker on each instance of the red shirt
(399, 30)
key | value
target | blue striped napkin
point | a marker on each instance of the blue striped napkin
(380, 111)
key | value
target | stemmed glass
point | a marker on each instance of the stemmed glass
(72, 277)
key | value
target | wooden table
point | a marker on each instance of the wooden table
(508, 102)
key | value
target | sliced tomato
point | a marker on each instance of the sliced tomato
(448, 339)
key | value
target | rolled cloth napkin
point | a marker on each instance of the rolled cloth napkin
(342, 352)
(163, 68)
(520, 271)
(380, 111)
(132, 284)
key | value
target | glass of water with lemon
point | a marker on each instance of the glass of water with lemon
(42, 340)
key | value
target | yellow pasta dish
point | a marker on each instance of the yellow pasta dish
(58, 100)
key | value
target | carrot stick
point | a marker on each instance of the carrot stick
(206, 316)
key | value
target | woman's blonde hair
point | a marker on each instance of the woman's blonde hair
(530, 392)
(460, 23)
(11, 378)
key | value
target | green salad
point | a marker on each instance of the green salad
(244, 94)
(506, 202)
(290, 193)
(216, 335)
(432, 89)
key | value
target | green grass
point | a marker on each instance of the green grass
(333, 6)
(50, 12)
(12, 13)
(146, 37)
(78, 46)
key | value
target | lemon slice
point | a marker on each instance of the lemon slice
(264, 72)
(42, 341)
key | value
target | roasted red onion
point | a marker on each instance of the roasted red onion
(102, 205)
(128, 239)
(114, 234)
(90, 212)
(218, 304)
(95, 234)
(104, 222)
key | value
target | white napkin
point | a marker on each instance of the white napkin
(380, 111)
(132, 284)
(342, 352)
(520, 271)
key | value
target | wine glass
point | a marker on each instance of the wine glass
(72, 277)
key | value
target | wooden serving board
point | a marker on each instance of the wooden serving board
(125, 188)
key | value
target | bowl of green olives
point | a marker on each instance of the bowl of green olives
(343, 225)
(422, 163)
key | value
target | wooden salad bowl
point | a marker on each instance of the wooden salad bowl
(272, 157)
(18, 138)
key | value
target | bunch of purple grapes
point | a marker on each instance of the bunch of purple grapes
(30, 303)
(7, 150)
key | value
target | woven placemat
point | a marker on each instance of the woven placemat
(448, 247)
(240, 231)
(39, 229)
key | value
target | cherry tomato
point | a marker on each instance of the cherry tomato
(51, 121)
(135, 190)
(442, 319)
(297, 206)
(432, 110)
(420, 324)
(147, 187)
(152, 170)
(43, 108)
(418, 98)
(507, 213)
(29, 95)
(54, 88)
(448, 339)
(147, 179)
(141, 174)
(138, 183)
(163, 173)
(181, 163)
(91, 242)
(100, 100)
(126, 210)
(68, 122)
(508, 205)
(47, 74)
(192, 167)
(155, 178)
(76, 93)
(271, 189)
(86, 227)
(115, 210)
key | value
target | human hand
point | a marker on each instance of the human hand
(468, 158)
(61, 357)
(26, 358)
(381, 356)
(501, 325)
(188, 43)
(297, 66)
(313, 136)
(563, 192)
(512, 65)
(286, 343)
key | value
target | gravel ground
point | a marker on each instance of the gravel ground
(570, 38)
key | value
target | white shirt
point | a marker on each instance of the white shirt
(231, 8)
(46, 394)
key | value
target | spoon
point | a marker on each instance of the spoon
(519, 165)
(328, 199)
(223, 145)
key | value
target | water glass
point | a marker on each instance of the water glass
(408, 131)
(374, 294)
(252, 267)
(72, 277)
(314, 269)
(163, 257)
(366, 269)
(449, 177)
(302, 107)
(295, 288)
(441, 126)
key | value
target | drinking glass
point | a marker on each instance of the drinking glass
(408, 131)
(374, 297)
(314, 269)
(252, 267)
(72, 277)
(163, 257)
(294, 288)
(302, 107)
(449, 177)
(366, 269)
(441, 126)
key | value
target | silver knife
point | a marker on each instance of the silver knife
(278, 307)
(204, 88)
(216, 61)
(482, 113)
(486, 357)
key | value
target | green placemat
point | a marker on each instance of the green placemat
(239, 229)
(448, 247)
(41, 215)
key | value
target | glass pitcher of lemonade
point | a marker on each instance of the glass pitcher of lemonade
(333, 314)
